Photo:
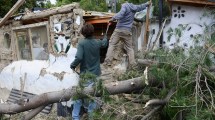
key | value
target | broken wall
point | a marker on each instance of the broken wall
(65, 27)
(6, 46)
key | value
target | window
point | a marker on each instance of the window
(23, 44)
(39, 43)
(32, 41)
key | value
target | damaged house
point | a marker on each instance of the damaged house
(37, 48)
(48, 35)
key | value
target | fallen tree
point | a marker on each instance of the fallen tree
(65, 95)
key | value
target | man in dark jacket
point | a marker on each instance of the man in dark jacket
(88, 56)
(122, 31)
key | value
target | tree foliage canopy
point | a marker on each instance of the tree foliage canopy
(8, 4)
(101, 5)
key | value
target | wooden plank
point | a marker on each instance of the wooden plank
(16, 46)
(146, 34)
(30, 26)
(98, 21)
(48, 37)
(46, 13)
(13, 45)
(11, 12)
(30, 40)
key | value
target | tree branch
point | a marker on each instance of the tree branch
(33, 113)
(65, 95)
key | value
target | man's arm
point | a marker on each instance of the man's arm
(120, 14)
(142, 6)
(104, 42)
(78, 57)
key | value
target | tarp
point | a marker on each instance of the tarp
(141, 16)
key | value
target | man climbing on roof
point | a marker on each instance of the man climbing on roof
(122, 31)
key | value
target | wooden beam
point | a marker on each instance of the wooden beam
(94, 21)
(30, 26)
(192, 2)
(146, 34)
(50, 12)
(11, 12)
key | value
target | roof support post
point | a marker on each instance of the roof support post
(160, 21)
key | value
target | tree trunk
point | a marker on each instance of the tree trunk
(33, 113)
(49, 12)
(64, 95)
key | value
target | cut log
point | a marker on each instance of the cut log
(65, 95)
(11, 12)
(33, 113)
(146, 62)
(49, 12)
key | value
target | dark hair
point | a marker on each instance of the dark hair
(87, 30)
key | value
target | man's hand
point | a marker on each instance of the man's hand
(105, 37)
(111, 20)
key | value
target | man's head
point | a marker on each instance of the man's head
(87, 30)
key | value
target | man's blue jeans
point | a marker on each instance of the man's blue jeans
(77, 108)
(89, 105)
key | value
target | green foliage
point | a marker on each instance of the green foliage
(174, 70)
(93, 5)
(8, 4)
(64, 2)
(130, 74)
(163, 73)
(179, 70)
(2, 117)
(166, 10)
(203, 114)
(100, 5)
(90, 5)
(177, 32)
(155, 3)
(4, 8)
(87, 78)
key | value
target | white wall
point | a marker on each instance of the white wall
(193, 21)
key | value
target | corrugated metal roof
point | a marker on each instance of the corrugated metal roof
(16, 95)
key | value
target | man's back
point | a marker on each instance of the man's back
(89, 54)
(126, 14)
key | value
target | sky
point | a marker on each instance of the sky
(53, 1)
